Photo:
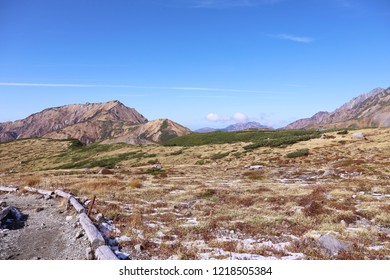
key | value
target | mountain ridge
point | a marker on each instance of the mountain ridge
(370, 109)
(90, 123)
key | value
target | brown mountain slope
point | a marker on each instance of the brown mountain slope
(90, 123)
(367, 110)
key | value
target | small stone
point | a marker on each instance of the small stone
(375, 190)
(139, 247)
(39, 209)
(47, 197)
(89, 253)
(79, 234)
(331, 245)
(3, 203)
(105, 171)
(69, 218)
(354, 196)
(99, 218)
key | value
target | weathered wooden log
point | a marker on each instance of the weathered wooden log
(35, 190)
(93, 234)
(8, 189)
(63, 194)
(4, 212)
(77, 205)
(105, 253)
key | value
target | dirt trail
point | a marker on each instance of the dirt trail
(48, 232)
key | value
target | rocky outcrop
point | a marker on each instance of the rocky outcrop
(367, 110)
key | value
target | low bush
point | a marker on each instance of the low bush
(298, 153)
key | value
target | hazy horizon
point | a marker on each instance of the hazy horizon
(199, 63)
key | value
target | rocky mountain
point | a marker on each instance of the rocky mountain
(234, 127)
(371, 109)
(90, 123)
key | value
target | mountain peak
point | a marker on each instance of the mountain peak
(370, 109)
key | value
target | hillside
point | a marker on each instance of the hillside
(367, 110)
(90, 123)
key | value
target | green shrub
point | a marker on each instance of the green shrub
(298, 153)
(343, 132)
(219, 155)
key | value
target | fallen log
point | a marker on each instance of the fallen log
(34, 190)
(63, 194)
(93, 234)
(4, 212)
(8, 189)
(105, 253)
(77, 205)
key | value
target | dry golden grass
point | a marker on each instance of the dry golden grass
(288, 200)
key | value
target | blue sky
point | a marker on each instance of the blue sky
(198, 62)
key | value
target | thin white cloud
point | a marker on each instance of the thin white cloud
(237, 117)
(212, 117)
(131, 86)
(240, 117)
(294, 38)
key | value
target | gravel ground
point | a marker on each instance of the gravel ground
(49, 232)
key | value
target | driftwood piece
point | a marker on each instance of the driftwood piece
(63, 194)
(8, 189)
(4, 212)
(105, 253)
(77, 205)
(35, 190)
(93, 234)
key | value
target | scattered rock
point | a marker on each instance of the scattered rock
(331, 245)
(375, 190)
(329, 173)
(3, 203)
(69, 218)
(359, 135)
(139, 247)
(47, 197)
(79, 234)
(255, 167)
(39, 209)
(89, 253)
(99, 218)
(105, 171)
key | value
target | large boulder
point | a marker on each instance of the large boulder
(331, 245)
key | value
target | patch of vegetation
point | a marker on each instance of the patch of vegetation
(107, 162)
(207, 193)
(179, 152)
(343, 132)
(219, 155)
(201, 162)
(298, 153)
(157, 172)
(269, 138)
(153, 161)
(253, 175)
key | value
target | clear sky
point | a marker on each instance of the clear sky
(198, 62)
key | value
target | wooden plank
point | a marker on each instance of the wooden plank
(77, 205)
(35, 190)
(105, 253)
(63, 194)
(8, 189)
(95, 237)
(4, 212)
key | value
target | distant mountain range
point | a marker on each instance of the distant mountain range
(93, 122)
(234, 127)
(371, 109)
